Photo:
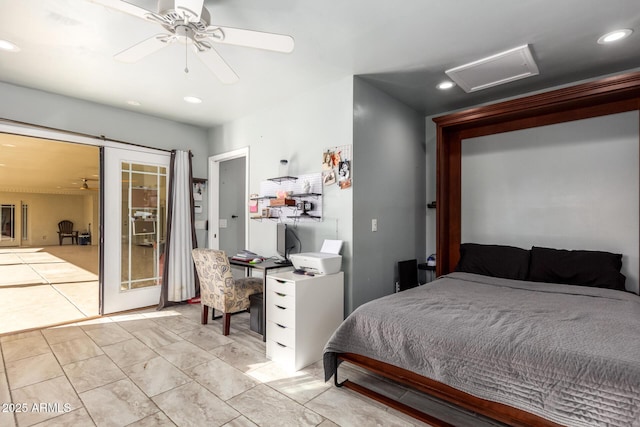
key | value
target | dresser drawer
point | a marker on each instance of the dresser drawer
(285, 287)
(278, 298)
(280, 333)
(281, 353)
(280, 314)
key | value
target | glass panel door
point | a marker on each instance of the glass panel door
(9, 225)
(135, 231)
(144, 189)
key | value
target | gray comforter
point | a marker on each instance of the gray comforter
(570, 354)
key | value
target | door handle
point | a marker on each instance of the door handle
(234, 216)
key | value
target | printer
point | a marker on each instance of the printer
(327, 261)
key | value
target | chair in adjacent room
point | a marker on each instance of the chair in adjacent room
(218, 289)
(65, 229)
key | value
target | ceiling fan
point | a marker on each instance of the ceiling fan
(85, 184)
(188, 21)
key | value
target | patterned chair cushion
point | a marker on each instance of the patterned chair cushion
(218, 289)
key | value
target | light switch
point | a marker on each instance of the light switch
(374, 224)
(223, 223)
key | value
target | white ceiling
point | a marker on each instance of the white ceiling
(33, 165)
(403, 47)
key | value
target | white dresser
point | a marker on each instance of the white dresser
(302, 312)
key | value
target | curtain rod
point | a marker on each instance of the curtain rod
(85, 135)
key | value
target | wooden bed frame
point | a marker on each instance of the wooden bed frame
(610, 95)
(493, 410)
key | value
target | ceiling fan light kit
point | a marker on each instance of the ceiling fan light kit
(189, 22)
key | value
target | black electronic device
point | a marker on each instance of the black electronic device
(304, 207)
(284, 241)
(407, 275)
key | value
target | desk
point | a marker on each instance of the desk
(265, 266)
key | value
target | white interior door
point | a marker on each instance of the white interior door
(135, 185)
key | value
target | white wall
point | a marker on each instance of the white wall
(572, 185)
(298, 130)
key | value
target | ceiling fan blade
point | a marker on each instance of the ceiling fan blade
(218, 66)
(125, 7)
(255, 39)
(192, 8)
(144, 48)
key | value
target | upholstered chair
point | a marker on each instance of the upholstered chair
(218, 289)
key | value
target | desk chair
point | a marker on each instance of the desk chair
(218, 289)
(65, 229)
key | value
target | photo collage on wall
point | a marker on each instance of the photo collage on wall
(336, 166)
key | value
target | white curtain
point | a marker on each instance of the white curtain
(179, 273)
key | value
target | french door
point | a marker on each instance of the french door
(135, 208)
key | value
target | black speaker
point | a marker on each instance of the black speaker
(407, 274)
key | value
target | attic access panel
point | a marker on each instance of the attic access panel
(504, 67)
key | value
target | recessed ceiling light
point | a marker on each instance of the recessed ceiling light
(8, 46)
(445, 85)
(614, 36)
(192, 100)
(134, 103)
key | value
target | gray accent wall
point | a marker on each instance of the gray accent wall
(389, 175)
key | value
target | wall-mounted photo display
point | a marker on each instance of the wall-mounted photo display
(199, 189)
(337, 167)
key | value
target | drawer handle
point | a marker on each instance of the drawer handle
(281, 326)
(281, 345)
(281, 295)
(281, 281)
(281, 307)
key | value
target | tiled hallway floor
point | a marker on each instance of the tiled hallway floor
(44, 286)
(163, 368)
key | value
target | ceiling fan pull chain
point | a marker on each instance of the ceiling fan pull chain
(186, 56)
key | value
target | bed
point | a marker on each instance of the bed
(572, 357)
(547, 352)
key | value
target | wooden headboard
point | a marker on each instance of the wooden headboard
(610, 95)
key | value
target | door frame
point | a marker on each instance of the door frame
(214, 194)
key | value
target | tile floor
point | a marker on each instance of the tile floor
(157, 368)
(43, 286)
(163, 368)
